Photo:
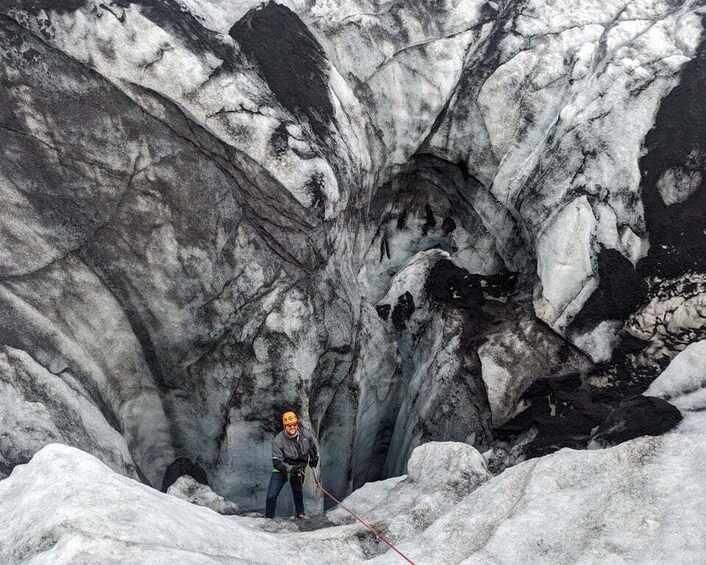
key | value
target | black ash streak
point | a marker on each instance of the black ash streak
(290, 60)
(677, 233)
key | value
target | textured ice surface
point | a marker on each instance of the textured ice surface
(564, 262)
(642, 501)
(76, 510)
(188, 253)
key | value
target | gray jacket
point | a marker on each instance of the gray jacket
(290, 454)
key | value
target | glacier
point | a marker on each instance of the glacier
(434, 229)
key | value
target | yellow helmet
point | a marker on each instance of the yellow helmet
(289, 418)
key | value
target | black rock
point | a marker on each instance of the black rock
(383, 310)
(621, 290)
(560, 412)
(403, 311)
(677, 143)
(290, 60)
(635, 417)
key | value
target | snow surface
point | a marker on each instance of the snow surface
(643, 501)
(640, 502)
(440, 474)
(67, 507)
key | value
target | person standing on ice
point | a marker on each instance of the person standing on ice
(292, 449)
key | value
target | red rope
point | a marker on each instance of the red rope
(372, 530)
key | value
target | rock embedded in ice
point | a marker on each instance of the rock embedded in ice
(674, 317)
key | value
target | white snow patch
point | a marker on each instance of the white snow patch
(440, 474)
(677, 184)
(364, 499)
(643, 501)
(683, 382)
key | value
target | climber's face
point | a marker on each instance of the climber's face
(291, 429)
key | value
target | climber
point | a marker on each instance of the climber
(292, 449)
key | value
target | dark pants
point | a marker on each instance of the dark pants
(277, 481)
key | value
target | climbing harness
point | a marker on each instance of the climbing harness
(377, 534)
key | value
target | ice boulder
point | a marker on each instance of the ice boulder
(683, 383)
(189, 489)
